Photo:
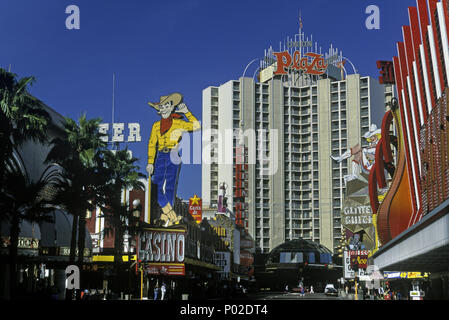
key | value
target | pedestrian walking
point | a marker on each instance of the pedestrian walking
(85, 295)
(163, 291)
(301, 290)
(380, 291)
(311, 290)
(54, 293)
(156, 291)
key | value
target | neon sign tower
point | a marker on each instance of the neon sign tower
(290, 124)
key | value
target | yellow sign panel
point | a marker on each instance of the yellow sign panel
(414, 275)
(111, 258)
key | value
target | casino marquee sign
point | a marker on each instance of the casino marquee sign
(162, 251)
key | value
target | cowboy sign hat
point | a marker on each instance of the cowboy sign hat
(372, 131)
(175, 98)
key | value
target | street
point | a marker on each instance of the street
(290, 296)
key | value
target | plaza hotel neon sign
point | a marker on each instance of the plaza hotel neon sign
(310, 63)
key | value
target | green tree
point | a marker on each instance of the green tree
(121, 172)
(23, 199)
(22, 116)
(78, 153)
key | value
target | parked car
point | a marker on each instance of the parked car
(330, 290)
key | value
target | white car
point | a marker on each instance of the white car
(329, 289)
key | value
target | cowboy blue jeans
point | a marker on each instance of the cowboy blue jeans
(166, 172)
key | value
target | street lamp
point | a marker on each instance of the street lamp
(136, 209)
(134, 222)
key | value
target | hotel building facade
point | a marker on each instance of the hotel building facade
(281, 181)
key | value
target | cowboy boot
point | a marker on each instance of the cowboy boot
(172, 216)
(165, 216)
(164, 220)
(176, 219)
(344, 156)
(169, 223)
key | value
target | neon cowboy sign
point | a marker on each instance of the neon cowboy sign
(317, 66)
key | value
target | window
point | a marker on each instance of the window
(311, 257)
(298, 258)
(325, 258)
(285, 257)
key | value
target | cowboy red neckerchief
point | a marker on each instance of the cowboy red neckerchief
(167, 123)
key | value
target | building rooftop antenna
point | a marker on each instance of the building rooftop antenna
(300, 33)
(113, 108)
(113, 96)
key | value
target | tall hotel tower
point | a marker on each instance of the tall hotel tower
(280, 180)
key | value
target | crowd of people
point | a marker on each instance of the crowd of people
(380, 293)
(301, 289)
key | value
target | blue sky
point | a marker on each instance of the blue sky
(158, 47)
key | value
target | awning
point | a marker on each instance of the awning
(422, 247)
(201, 264)
(59, 232)
(57, 235)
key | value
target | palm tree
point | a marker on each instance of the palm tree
(121, 173)
(77, 153)
(22, 116)
(24, 199)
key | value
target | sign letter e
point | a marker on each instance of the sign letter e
(73, 277)
(73, 20)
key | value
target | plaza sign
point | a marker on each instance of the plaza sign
(317, 66)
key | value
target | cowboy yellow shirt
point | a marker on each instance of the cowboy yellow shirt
(171, 138)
